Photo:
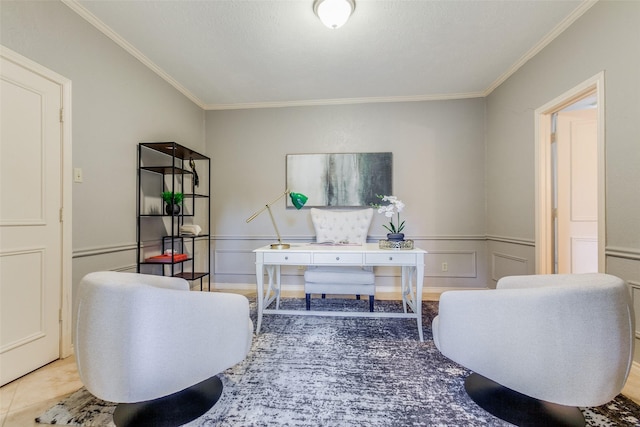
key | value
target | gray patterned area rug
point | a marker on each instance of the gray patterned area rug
(338, 371)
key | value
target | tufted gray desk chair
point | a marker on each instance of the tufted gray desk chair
(340, 227)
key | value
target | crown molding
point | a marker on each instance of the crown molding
(109, 32)
(345, 101)
(546, 40)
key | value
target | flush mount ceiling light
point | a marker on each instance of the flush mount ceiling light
(334, 13)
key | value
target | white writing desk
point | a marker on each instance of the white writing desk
(411, 261)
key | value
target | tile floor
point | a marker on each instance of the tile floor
(22, 400)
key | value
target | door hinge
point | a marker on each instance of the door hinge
(62, 115)
(60, 315)
(61, 214)
(553, 137)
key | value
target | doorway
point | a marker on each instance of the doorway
(570, 190)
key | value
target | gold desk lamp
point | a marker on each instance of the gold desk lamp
(298, 201)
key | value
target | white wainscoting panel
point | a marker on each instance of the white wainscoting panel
(234, 261)
(625, 264)
(461, 264)
(238, 266)
(507, 265)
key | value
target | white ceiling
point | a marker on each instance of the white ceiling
(227, 54)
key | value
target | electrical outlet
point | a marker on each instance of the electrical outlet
(445, 266)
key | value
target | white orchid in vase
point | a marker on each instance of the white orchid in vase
(394, 207)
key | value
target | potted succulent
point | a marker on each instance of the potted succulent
(173, 201)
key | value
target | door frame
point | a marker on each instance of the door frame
(543, 172)
(65, 304)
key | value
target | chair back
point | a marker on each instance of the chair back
(341, 226)
(566, 339)
(139, 337)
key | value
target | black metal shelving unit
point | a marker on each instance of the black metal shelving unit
(167, 166)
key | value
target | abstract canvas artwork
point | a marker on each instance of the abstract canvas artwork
(340, 179)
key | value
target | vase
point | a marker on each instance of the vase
(172, 209)
(395, 237)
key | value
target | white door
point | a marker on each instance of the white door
(577, 191)
(30, 220)
(587, 183)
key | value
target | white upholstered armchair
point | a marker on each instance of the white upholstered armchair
(541, 345)
(340, 227)
(153, 346)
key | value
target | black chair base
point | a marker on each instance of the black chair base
(518, 408)
(173, 410)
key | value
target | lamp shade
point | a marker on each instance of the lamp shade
(298, 199)
(334, 13)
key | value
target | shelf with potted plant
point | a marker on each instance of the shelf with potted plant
(171, 191)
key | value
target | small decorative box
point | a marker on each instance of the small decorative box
(395, 244)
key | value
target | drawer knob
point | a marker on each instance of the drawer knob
(337, 258)
(390, 258)
(286, 258)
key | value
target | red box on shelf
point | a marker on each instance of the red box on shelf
(167, 258)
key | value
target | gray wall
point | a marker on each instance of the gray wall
(438, 171)
(117, 102)
(606, 38)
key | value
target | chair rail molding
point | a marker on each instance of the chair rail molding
(621, 252)
(514, 240)
(101, 250)
(370, 237)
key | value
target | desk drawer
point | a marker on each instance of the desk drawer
(353, 259)
(287, 258)
(392, 258)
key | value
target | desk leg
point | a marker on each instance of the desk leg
(412, 297)
(266, 297)
(277, 287)
(260, 292)
(405, 287)
(273, 289)
(419, 272)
